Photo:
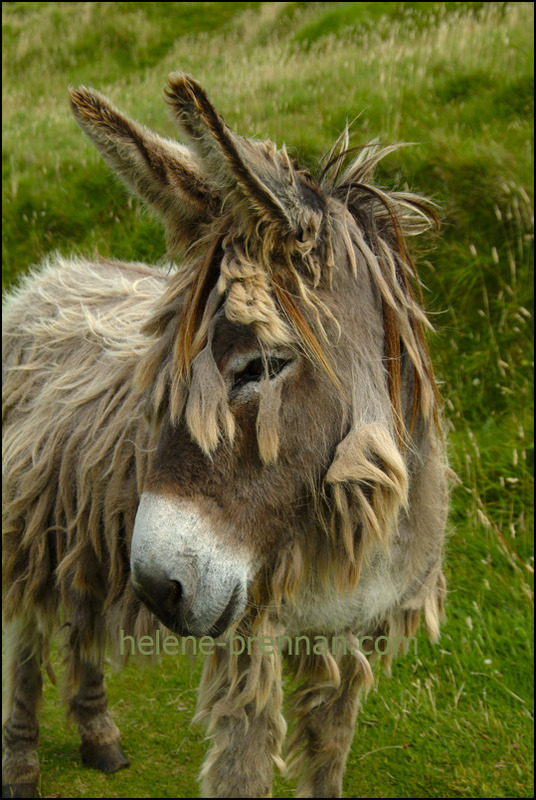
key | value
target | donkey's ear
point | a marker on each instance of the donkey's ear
(163, 173)
(274, 190)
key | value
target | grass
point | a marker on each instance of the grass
(456, 78)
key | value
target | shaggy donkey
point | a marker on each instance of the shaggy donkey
(247, 446)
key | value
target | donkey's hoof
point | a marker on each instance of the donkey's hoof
(19, 789)
(106, 757)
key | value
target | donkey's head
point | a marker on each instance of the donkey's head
(288, 376)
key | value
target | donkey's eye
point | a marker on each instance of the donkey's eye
(254, 371)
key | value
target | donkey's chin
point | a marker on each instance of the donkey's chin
(232, 613)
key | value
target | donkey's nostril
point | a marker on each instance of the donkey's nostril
(175, 594)
(163, 596)
(171, 598)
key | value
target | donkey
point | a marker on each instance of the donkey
(247, 446)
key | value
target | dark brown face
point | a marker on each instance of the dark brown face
(207, 523)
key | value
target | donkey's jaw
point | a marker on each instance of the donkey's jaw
(193, 583)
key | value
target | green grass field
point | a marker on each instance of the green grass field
(456, 79)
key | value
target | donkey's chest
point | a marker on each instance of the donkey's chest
(318, 607)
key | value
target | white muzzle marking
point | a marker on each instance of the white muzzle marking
(194, 584)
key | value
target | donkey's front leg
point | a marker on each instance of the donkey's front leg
(325, 721)
(241, 696)
(23, 692)
(100, 737)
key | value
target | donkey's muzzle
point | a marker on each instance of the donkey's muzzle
(182, 573)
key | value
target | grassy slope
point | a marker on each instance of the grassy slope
(457, 78)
